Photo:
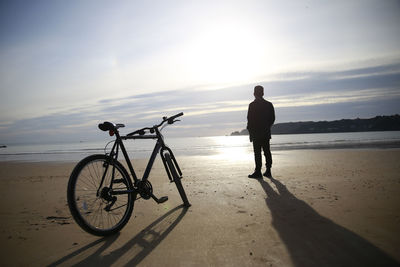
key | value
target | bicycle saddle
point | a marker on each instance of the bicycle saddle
(108, 126)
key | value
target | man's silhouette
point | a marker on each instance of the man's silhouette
(260, 117)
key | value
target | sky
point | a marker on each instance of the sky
(66, 66)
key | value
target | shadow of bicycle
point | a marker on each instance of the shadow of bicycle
(143, 243)
(313, 240)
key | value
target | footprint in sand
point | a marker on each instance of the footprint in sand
(58, 219)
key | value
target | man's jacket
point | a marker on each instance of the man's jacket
(260, 118)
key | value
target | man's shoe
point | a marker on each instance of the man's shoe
(255, 175)
(267, 173)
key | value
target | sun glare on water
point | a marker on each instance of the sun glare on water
(232, 148)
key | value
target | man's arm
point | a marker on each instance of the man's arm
(249, 121)
(249, 117)
(273, 114)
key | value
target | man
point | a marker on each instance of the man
(260, 118)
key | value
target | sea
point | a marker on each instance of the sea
(200, 146)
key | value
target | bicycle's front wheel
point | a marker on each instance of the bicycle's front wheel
(90, 195)
(177, 179)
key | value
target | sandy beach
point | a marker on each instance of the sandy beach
(322, 208)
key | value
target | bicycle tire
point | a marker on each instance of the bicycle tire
(88, 207)
(176, 179)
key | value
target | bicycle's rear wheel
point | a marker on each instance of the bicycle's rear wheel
(93, 206)
(177, 179)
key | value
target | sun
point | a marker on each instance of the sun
(227, 53)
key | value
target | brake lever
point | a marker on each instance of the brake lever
(172, 121)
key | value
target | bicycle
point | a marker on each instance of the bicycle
(101, 193)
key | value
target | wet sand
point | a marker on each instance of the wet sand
(322, 208)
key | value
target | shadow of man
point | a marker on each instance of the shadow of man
(147, 240)
(313, 240)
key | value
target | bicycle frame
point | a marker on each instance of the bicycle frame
(160, 147)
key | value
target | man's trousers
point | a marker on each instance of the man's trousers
(265, 146)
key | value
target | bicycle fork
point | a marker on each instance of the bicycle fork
(166, 165)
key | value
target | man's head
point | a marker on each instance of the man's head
(258, 91)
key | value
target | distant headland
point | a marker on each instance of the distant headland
(378, 123)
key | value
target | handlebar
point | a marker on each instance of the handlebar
(170, 120)
(175, 116)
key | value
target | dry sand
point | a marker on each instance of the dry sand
(323, 208)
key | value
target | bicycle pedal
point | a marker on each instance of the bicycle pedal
(162, 199)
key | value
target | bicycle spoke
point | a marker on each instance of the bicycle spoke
(118, 207)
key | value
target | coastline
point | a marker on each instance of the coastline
(343, 203)
(203, 146)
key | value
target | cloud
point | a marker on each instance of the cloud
(367, 91)
(300, 100)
